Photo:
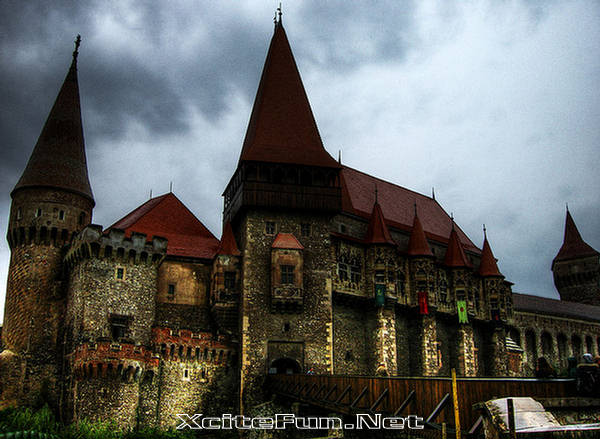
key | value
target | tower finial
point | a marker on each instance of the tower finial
(340, 156)
(567, 204)
(171, 187)
(279, 13)
(484, 232)
(452, 219)
(433, 193)
(76, 51)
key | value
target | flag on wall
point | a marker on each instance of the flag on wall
(462, 311)
(423, 302)
(379, 294)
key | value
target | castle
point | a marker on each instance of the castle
(319, 266)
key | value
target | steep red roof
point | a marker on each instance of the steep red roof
(228, 245)
(282, 127)
(417, 243)
(455, 255)
(573, 244)
(398, 204)
(488, 265)
(288, 241)
(377, 232)
(168, 217)
(58, 159)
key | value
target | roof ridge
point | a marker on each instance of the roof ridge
(388, 182)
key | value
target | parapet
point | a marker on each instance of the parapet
(92, 242)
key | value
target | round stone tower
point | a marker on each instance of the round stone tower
(52, 201)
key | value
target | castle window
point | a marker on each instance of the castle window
(349, 356)
(19, 213)
(460, 295)
(38, 213)
(305, 229)
(443, 292)
(400, 285)
(342, 228)
(269, 227)
(380, 276)
(61, 215)
(229, 280)
(286, 327)
(287, 274)
(118, 326)
(120, 273)
(342, 271)
(355, 273)
(81, 218)
(171, 292)
(186, 375)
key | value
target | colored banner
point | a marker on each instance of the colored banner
(461, 305)
(423, 308)
(379, 294)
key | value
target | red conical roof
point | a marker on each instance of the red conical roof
(488, 265)
(58, 159)
(455, 255)
(168, 217)
(282, 127)
(417, 244)
(228, 245)
(574, 246)
(377, 232)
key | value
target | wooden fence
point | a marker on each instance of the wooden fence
(428, 397)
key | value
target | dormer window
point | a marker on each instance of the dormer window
(287, 274)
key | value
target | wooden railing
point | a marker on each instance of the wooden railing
(427, 397)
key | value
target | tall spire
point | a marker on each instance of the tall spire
(58, 159)
(574, 246)
(455, 255)
(417, 243)
(377, 231)
(488, 265)
(282, 127)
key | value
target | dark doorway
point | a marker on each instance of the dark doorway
(284, 365)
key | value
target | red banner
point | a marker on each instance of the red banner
(423, 309)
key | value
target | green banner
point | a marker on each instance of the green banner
(461, 305)
(379, 294)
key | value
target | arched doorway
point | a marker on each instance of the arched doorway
(284, 366)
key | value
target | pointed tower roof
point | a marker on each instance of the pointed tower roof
(488, 265)
(58, 159)
(228, 245)
(282, 127)
(168, 217)
(574, 246)
(378, 232)
(455, 255)
(417, 244)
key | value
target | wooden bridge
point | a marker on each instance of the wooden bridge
(428, 397)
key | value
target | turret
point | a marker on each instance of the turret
(51, 202)
(576, 268)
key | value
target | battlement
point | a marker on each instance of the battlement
(125, 361)
(137, 248)
(185, 345)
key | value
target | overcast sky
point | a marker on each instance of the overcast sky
(496, 104)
